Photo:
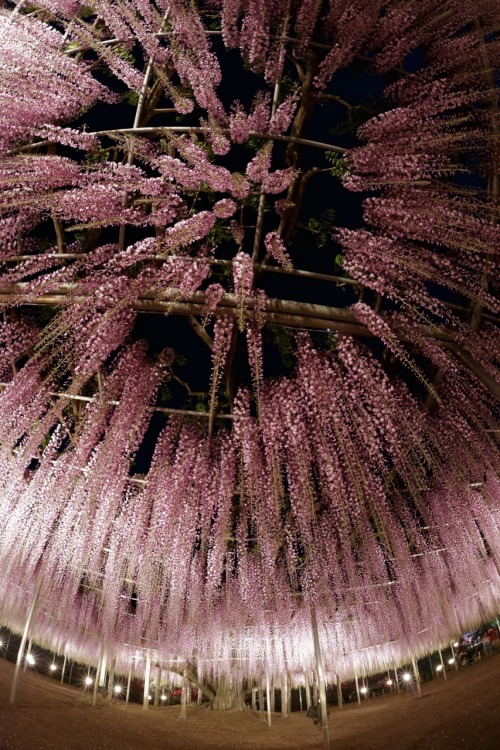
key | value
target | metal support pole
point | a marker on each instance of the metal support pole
(147, 677)
(268, 699)
(396, 679)
(157, 688)
(284, 696)
(24, 638)
(339, 693)
(455, 663)
(321, 683)
(102, 669)
(254, 699)
(261, 702)
(96, 681)
(184, 695)
(442, 663)
(129, 680)
(111, 678)
(417, 676)
(357, 688)
(63, 669)
(28, 651)
(308, 692)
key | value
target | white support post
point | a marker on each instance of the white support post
(268, 699)
(185, 688)
(24, 638)
(339, 693)
(28, 651)
(442, 663)
(157, 688)
(63, 669)
(357, 688)
(129, 680)
(111, 678)
(308, 692)
(102, 669)
(417, 676)
(147, 679)
(396, 679)
(254, 699)
(96, 680)
(455, 663)
(261, 702)
(321, 683)
(284, 696)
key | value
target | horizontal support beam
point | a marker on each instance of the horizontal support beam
(298, 315)
(151, 130)
(158, 409)
(165, 129)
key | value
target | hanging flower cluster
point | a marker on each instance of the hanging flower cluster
(373, 499)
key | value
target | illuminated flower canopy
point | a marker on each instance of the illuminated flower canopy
(357, 474)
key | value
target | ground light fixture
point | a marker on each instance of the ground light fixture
(30, 659)
(163, 697)
(451, 661)
(53, 667)
(88, 681)
(407, 677)
(388, 682)
(438, 667)
(117, 689)
(364, 690)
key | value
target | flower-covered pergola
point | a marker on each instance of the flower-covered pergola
(250, 342)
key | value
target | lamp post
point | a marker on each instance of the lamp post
(321, 682)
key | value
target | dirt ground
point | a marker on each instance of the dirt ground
(463, 712)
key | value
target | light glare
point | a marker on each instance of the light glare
(30, 659)
(118, 689)
(364, 690)
(53, 667)
(407, 677)
(439, 667)
(451, 661)
(88, 681)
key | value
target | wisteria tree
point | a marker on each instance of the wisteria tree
(250, 342)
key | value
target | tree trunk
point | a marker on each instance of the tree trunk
(228, 698)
